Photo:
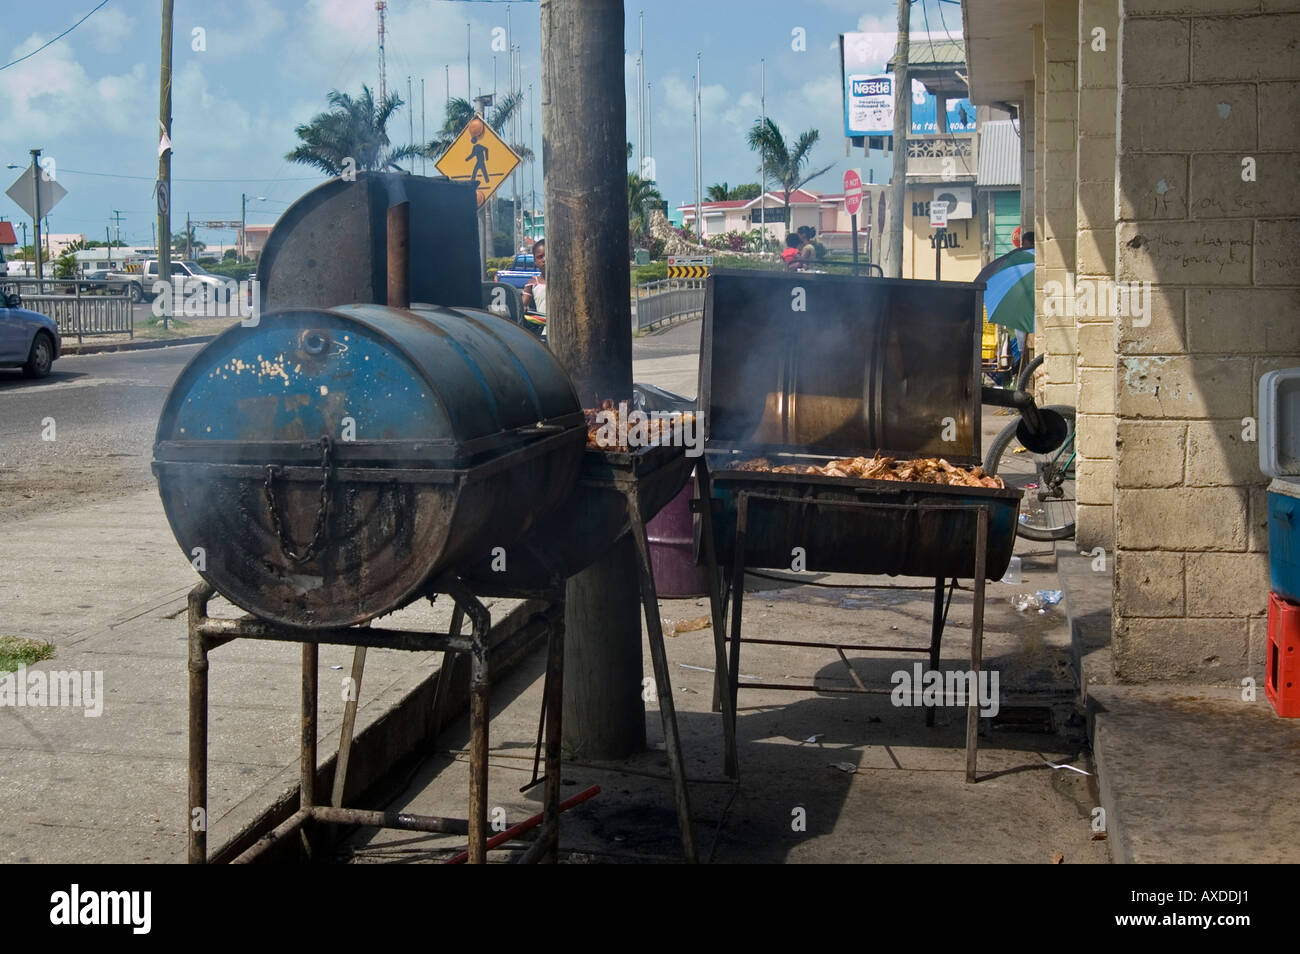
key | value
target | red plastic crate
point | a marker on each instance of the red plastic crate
(1282, 659)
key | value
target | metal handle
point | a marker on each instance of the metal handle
(318, 531)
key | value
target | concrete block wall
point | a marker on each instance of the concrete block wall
(1098, 73)
(1208, 212)
(1038, 180)
(1057, 334)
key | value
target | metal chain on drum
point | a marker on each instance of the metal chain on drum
(321, 512)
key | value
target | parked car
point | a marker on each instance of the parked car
(28, 339)
(99, 282)
(520, 271)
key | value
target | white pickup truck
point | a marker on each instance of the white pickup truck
(140, 283)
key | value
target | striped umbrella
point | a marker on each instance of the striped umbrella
(1009, 290)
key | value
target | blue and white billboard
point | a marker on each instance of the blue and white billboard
(869, 92)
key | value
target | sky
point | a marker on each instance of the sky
(90, 100)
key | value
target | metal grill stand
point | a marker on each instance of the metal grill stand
(731, 581)
(207, 633)
(641, 481)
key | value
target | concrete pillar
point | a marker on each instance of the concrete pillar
(1057, 334)
(1094, 266)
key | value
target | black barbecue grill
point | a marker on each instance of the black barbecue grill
(804, 369)
(329, 464)
(373, 439)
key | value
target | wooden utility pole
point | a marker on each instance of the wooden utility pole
(164, 188)
(892, 263)
(584, 119)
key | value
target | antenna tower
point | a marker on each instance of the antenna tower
(382, 6)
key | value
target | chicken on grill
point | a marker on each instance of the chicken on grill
(654, 429)
(924, 470)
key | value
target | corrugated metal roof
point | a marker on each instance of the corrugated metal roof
(999, 154)
(926, 52)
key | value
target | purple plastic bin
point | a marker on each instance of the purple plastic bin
(672, 549)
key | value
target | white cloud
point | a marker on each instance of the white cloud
(110, 27)
(258, 22)
(51, 95)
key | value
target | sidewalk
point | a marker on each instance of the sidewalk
(106, 584)
(874, 784)
(1187, 773)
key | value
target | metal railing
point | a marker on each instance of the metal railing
(78, 307)
(665, 299)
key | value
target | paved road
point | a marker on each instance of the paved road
(103, 410)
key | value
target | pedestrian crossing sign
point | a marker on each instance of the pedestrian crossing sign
(479, 156)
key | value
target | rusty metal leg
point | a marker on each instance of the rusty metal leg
(554, 711)
(976, 639)
(479, 695)
(722, 700)
(307, 758)
(936, 635)
(349, 726)
(663, 682)
(196, 820)
(737, 599)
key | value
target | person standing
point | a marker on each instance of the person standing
(535, 289)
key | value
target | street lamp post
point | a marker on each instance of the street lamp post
(36, 209)
(243, 222)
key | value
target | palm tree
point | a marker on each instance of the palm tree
(640, 194)
(178, 241)
(461, 111)
(783, 161)
(352, 129)
(718, 192)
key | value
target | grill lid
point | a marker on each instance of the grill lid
(840, 366)
(331, 245)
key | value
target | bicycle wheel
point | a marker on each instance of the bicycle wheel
(1047, 508)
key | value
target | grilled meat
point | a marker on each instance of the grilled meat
(656, 429)
(925, 470)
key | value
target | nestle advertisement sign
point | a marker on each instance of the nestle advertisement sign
(868, 89)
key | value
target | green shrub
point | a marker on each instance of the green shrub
(239, 271)
(650, 273)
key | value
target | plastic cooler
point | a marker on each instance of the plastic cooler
(1282, 659)
(1279, 423)
(1283, 552)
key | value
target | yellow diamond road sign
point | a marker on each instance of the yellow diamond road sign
(480, 156)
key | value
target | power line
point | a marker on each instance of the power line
(116, 175)
(56, 39)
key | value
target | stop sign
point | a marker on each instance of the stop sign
(852, 191)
